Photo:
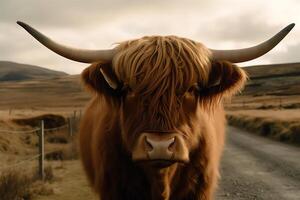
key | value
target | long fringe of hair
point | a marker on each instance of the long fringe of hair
(161, 68)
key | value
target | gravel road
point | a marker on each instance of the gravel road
(257, 168)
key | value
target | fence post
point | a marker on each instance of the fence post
(75, 122)
(41, 151)
(80, 114)
(75, 112)
(70, 124)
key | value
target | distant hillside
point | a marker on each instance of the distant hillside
(10, 71)
(275, 79)
(66, 91)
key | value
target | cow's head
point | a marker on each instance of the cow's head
(161, 86)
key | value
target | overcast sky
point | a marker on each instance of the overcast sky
(98, 24)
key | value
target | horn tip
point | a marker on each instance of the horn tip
(20, 23)
(290, 27)
(24, 25)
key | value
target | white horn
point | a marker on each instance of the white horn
(80, 55)
(242, 55)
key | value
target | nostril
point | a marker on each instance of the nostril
(172, 144)
(160, 147)
(148, 145)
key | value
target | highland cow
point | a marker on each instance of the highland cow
(155, 126)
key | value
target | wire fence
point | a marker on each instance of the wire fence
(56, 128)
(70, 125)
(20, 131)
(22, 162)
(36, 130)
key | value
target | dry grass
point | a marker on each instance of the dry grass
(61, 146)
(14, 185)
(67, 152)
(63, 94)
(57, 138)
(282, 114)
(49, 176)
(24, 101)
(71, 183)
(252, 102)
(16, 148)
(25, 144)
(17, 185)
(277, 127)
(273, 116)
(40, 188)
(16, 143)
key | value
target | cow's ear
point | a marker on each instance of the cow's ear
(225, 79)
(100, 78)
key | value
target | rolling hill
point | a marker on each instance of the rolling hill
(275, 79)
(57, 89)
(11, 71)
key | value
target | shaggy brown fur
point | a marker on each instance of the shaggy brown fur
(165, 83)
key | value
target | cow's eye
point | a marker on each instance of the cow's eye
(192, 92)
(193, 89)
(189, 93)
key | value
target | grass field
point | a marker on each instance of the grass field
(269, 103)
(70, 183)
(272, 116)
(25, 99)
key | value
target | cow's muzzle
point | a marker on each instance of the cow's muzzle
(161, 149)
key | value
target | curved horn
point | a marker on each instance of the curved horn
(80, 55)
(242, 55)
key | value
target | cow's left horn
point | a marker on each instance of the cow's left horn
(80, 55)
(242, 55)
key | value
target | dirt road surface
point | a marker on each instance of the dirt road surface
(253, 168)
(257, 168)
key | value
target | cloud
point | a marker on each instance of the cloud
(247, 27)
(290, 54)
(97, 24)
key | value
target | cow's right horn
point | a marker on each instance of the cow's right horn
(80, 55)
(242, 55)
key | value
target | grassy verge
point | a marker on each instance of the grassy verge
(282, 130)
(15, 184)
(70, 184)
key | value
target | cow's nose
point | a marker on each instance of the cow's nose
(160, 149)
